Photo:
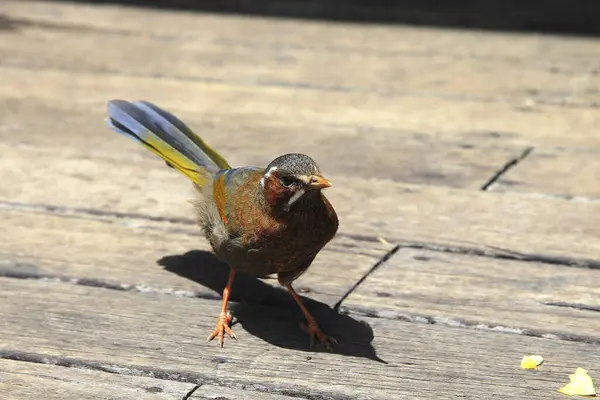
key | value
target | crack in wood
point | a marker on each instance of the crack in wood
(576, 306)
(508, 166)
(487, 251)
(191, 392)
(346, 310)
(505, 254)
(16, 273)
(468, 324)
(82, 212)
(164, 374)
(376, 266)
(124, 219)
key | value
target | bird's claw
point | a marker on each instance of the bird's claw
(313, 330)
(222, 326)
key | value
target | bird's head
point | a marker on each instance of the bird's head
(290, 177)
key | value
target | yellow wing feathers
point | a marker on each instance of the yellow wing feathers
(166, 136)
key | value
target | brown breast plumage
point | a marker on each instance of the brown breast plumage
(301, 234)
(260, 241)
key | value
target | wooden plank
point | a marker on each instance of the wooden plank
(479, 291)
(27, 380)
(208, 58)
(144, 333)
(556, 171)
(367, 207)
(546, 51)
(172, 259)
(534, 226)
(162, 258)
(422, 159)
(244, 105)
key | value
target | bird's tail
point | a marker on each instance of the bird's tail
(165, 135)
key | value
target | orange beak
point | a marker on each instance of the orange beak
(318, 182)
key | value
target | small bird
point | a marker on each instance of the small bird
(260, 221)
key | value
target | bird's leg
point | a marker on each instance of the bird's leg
(224, 317)
(312, 328)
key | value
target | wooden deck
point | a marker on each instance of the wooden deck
(477, 153)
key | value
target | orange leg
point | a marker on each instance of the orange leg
(312, 328)
(224, 317)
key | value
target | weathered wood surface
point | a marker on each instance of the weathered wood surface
(561, 172)
(163, 258)
(422, 159)
(472, 77)
(173, 259)
(129, 333)
(535, 298)
(543, 51)
(219, 56)
(279, 104)
(25, 380)
(105, 275)
(373, 207)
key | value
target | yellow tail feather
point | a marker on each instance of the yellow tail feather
(176, 160)
(166, 136)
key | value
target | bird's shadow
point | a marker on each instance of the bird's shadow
(269, 312)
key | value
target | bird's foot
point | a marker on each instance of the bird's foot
(313, 330)
(222, 326)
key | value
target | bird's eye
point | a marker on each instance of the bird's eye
(287, 181)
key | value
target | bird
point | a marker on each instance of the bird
(260, 221)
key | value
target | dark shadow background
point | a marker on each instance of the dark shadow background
(578, 17)
(270, 313)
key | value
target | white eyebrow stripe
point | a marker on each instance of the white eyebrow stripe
(266, 175)
(293, 199)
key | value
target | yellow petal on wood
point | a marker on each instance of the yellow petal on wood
(581, 384)
(531, 362)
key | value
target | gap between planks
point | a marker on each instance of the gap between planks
(126, 219)
(342, 263)
(27, 380)
(198, 380)
(351, 310)
(416, 353)
(74, 276)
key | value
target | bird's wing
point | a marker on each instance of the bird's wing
(231, 186)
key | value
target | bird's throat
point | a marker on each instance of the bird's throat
(295, 197)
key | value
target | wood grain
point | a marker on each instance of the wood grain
(162, 258)
(26, 380)
(172, 259)
(563, 172)
(375, 208)
(222, 56)
(244, 104)
(477, 291)
(144, 332)
(574, 52)
(408, 157)
(106, 286)
(554, 227)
